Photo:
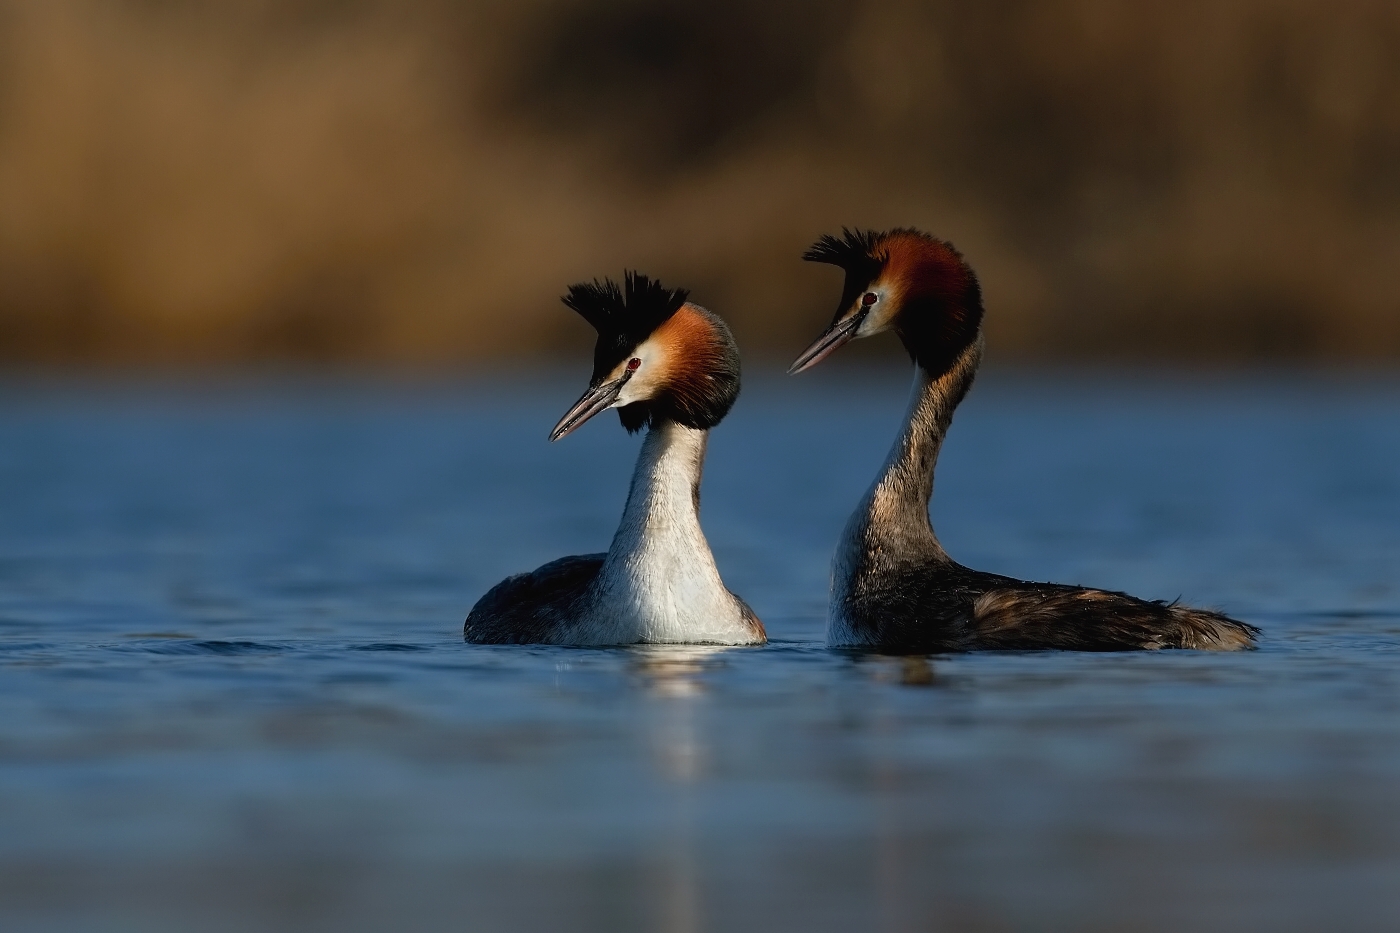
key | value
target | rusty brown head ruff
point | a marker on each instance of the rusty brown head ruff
(905, 280)
(894, 588)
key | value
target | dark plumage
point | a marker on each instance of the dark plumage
(855, 250)
(893, 585)
(935, 604)
(524, 609)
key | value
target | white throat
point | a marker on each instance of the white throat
(659, 582)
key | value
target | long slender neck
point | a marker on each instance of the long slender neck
(894, 511)
(659, 582)
(664, 501)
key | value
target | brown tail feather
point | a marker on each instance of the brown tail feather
(1051, 616)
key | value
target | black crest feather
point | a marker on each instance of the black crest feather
(855, 251)
(853, 247)
(623, 316)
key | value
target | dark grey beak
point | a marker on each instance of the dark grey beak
(837, 336)
(599, 398)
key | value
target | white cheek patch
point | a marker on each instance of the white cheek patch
(646, 379)
(881, 316)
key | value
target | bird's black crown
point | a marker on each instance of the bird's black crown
(623, 317)
(854, 251)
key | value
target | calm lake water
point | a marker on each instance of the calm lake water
(234, 694)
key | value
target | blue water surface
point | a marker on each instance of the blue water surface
(234, 693)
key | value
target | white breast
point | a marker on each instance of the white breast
(659, 582)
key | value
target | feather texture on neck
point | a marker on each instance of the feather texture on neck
(891, 525)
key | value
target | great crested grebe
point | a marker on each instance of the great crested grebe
(671, 367)
(893, 586)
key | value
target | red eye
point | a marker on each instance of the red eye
(868, 299)
(632, 364)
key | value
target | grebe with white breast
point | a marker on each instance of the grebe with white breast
(893, 586)
(671, 367)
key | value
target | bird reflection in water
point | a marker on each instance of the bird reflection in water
(905, 670)
(673, 675)
(675, 670)
(892, 792)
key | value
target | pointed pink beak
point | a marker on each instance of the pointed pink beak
(599, 398)
(837, 336)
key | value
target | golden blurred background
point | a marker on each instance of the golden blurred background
(415, 182)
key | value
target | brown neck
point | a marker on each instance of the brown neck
(895, 510)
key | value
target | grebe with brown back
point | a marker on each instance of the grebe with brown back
(894, 588)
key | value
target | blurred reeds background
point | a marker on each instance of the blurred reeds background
(415, 182)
